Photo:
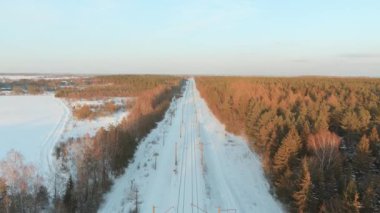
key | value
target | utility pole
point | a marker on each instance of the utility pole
(154, 209)
(132, 183)
(180, 131)
(137, 200)
(175, 154)
(163, 137)
(55, 185)
(155, 160)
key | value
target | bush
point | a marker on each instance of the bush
(83, 112)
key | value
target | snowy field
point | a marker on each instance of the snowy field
(36, 77)
(189, 163)
(33, 125)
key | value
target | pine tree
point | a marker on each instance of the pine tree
(42, 198)
(263, 130)
(363, 158)
(350, 121)
(369, 198)
(364, 119)
(351, 197)
(305, 130)
(302, 195)
(302, 111)
(322, 122)
(363, 146)
(377, 118)
(374, 141)
(374, 136)
(288, 149)
(69, 197)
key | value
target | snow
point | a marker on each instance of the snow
(80, 128)
(215, 169)
(34, 125)
(31, 125)
(36, 77)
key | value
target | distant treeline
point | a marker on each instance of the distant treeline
(318, 137)
(116, 85)
(32, 87)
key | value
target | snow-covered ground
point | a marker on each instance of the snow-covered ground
(80, 128)
(189, 163)
(33, 125)
(16, 77)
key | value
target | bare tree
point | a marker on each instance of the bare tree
(325, 146)
(24, 190)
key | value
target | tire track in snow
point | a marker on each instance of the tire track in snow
(47, 149)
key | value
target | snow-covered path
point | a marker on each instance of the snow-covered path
(189, 163)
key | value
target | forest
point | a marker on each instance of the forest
(318, 137)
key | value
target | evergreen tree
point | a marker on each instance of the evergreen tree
(301, 196)
(349, 121)
(363, 146)
(302, 112)
(374, 136)
(356, 120)
(363, 158)
(305, 131)
(322, 122)
(69, 197)
(42, 198)
(369, 198)
(364, 119)
(288, 149)
(263, 131)
(377, 118)
(374, 141)
(351, 197)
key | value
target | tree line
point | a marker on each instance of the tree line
(318, 137)
(98, 160)
(114, 86)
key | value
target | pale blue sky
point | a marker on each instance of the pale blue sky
(250, 37)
